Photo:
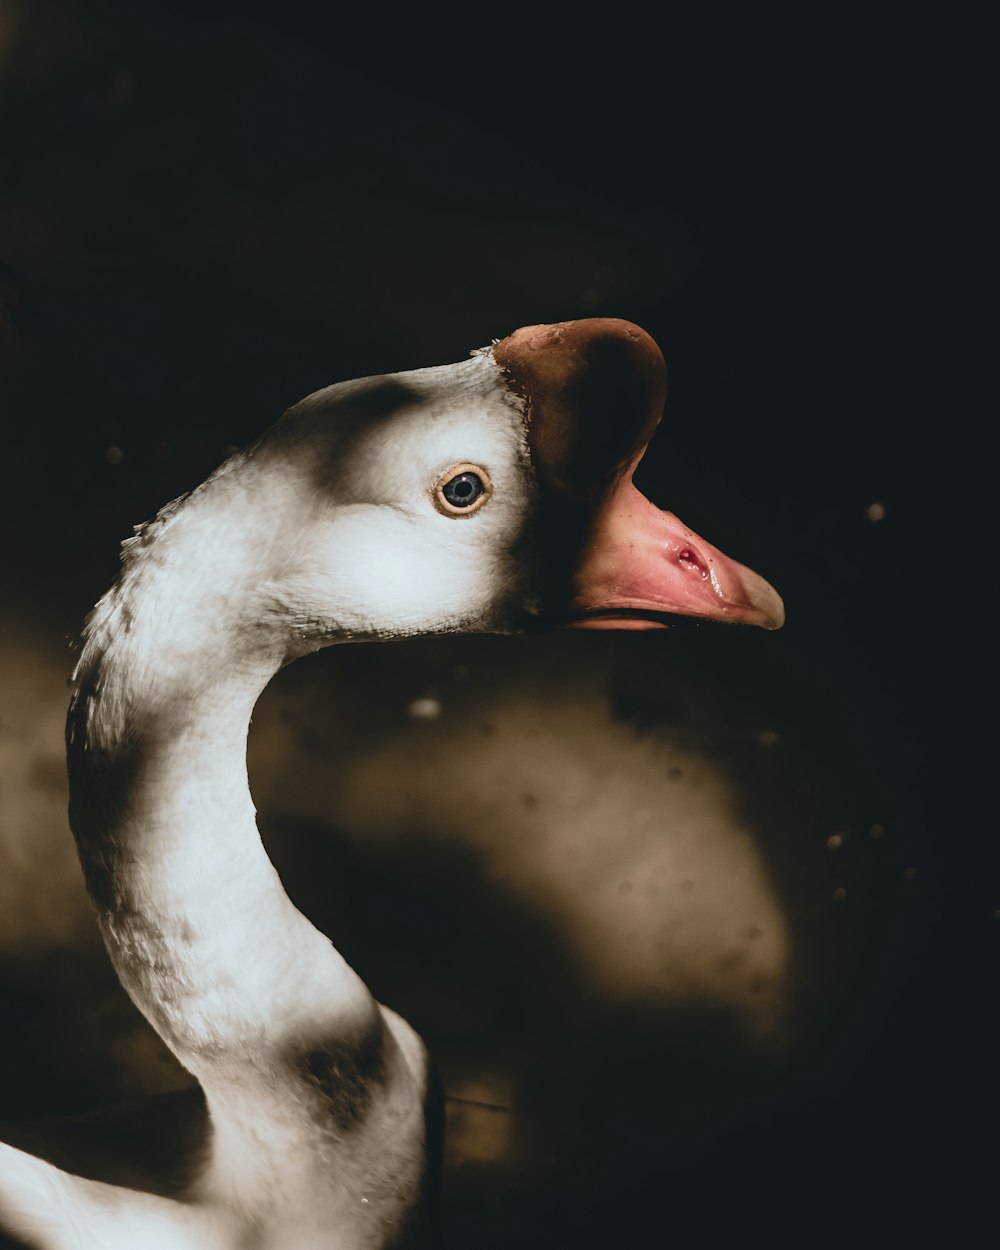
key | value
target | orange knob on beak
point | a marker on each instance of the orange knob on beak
(594, 392)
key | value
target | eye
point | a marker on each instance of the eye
(462, 490)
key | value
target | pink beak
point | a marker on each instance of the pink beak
(638, 560)
(593, 393)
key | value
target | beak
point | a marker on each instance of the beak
(593, 392)
(639, 566)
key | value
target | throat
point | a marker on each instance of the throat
(161, 811)
(195, 919)
(156, 734)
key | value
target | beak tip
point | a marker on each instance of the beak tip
(766, 606)
(774, 617)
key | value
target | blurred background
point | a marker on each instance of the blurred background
(704, 940)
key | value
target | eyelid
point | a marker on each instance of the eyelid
(449, 510)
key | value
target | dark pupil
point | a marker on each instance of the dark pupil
(463, 490)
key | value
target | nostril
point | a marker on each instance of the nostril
(692, 561)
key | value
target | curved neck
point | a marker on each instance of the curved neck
(194, 916)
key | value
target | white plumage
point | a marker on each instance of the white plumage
(335, 526)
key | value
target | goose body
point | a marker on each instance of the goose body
(490, 495)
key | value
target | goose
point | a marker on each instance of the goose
(491, 495)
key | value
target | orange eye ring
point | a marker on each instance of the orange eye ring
(462, 491)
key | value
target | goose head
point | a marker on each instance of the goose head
(491, 495)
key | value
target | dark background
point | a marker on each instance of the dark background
(209, 211)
